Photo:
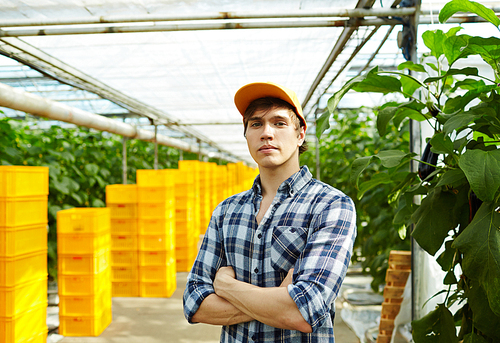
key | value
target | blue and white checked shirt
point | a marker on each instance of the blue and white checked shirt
(310, 226)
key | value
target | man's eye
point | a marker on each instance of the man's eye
(281, 123)
(255, 124)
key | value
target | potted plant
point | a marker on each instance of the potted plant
(458, 178)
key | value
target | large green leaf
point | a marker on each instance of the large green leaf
(474, 338)
(358, 166)
(453, 47)
(480, 244)
(376, 180)
(435, 327)
(323, 123)
(485, 320)
(452, 177)
(482, 170)
(441, 144)
(488, 49)
(434, 41)
(469, 71)
(337, 96)
(436, 216)
(455, 6)
(458, 121)
(378, 84)
(411, 66)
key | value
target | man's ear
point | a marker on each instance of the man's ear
(302, 135)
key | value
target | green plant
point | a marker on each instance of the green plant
(459, 211)
(354, 136)
(81, 163)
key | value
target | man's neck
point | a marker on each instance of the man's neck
(271, 179)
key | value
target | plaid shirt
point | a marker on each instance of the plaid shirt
(310, 226)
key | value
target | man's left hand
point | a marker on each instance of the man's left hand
(224, 276)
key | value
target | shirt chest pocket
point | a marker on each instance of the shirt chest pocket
(287, 244)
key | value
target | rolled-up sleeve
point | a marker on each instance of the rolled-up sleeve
(210, 258)
(322, 265)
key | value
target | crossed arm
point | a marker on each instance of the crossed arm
(236, 302)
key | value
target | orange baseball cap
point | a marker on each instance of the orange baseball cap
(253, 91)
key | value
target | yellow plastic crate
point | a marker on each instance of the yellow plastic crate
(184, 227)
(124, 273)
(20, 181)
(83, 243)
(153, 289)
(22, 239)
(156, 194)
(152, 258)
(85, 284)
(78, 264)
(121, 194)
(124, 258)
(84, 325)
(123, 211)
(21, 298)
(190, 165)
(85, 305)
(124, 226)
(125, 288)
(156, 226)
(22, 211)
(23, 268)
(156, 242)
(155, 178)
(123, 242)
(183, 240)
(157, 273)
(185, 189)
(37, 338)
(184, 215)
(188, 252)
(184, 202)
(184, 265)
(24, 326)
(83, 220)
(155, 210)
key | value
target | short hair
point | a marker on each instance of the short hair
(267, 104)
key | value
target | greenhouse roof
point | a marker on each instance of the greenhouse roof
(179, 63)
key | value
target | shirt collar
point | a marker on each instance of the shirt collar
(291, 186)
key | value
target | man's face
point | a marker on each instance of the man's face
(273, 139)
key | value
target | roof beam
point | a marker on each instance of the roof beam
(120, 19)
(62, 72)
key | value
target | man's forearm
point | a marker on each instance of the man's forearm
(272, 306)
(218, 311)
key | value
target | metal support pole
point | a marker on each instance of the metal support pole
(318, 172)
(415, 146)
(124, 160)
(181, 155)
(156, 148)
(199, 150)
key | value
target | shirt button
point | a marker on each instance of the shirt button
(259, 235)
(256, 270)
(254, 337)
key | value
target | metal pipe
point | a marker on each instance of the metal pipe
(30, 103)
(155, 164)
(124, 160)
(191, 27)
(328, 12)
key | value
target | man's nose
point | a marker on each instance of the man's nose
(267, 132)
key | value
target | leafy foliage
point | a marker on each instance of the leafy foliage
(459, 212)
(81, 163)
(354, 137)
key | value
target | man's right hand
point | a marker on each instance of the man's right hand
(288, 279)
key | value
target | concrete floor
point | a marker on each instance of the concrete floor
(160, 320)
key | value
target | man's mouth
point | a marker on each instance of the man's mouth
(267, 148)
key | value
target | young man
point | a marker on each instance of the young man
(273, 258)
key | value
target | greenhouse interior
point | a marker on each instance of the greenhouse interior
(120, 136)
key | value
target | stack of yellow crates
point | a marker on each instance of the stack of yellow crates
(157, 268)
(83, 247)
(231, 178)
(221, 188)
(193, 167)
(186, 238)
(23, 254)
(204, 197)
(123, 202)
